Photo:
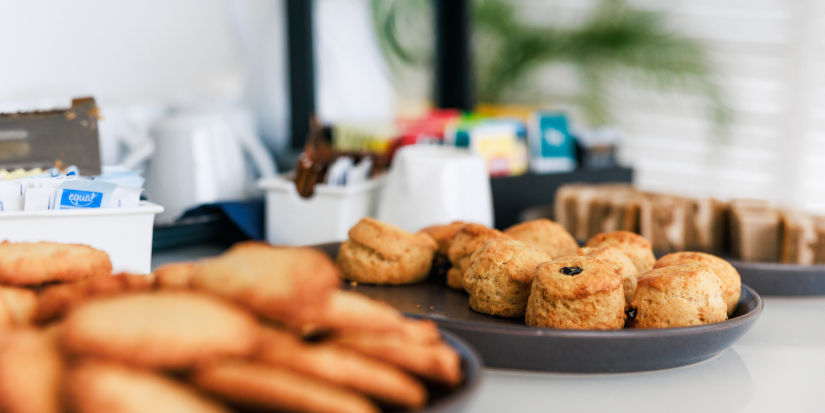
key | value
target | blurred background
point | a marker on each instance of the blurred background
(700, 98)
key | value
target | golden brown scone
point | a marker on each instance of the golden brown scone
(56, 300)
(347, 310)
(635, 246)
(621, 263)
(263, 386)
(580, 293)
(160, 330)
(30, 373)
(468, 239)
(33, 263)
(174, 276)
(726, 273)
(443, 234)
(96, 387)
(380, 253)
(678, 296)
(545, 234)
(21, 304)
(342, 367)
(500, 275)
(434, 361)
(287, 284)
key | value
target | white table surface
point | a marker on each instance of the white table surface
(778, 366)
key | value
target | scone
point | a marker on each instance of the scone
(578, 293)
(500, 275)
(678, 296)
(381, 253)
(620, 262)
(635, 246)
(727, 274)
(466, 241)
(443, 234)
(545, 234)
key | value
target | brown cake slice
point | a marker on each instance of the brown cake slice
(708, 226)
(799, 238)
(756, 232)
(665, 220)
(819, 246)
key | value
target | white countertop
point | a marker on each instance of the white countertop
(777, 366)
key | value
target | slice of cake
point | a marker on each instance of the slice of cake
(799, 238)
(756, 231)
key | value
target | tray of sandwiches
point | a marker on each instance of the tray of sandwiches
(777, 251)
(531, 298)
(258, 328)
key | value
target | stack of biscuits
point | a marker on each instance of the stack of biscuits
(257, 328)
(535, 270)
(749, 229)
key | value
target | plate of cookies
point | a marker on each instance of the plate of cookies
(531, 298)
(258, 328)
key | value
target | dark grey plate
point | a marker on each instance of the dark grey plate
(456, 400)
(508, 343)
(773, 278)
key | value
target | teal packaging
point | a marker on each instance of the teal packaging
(552, 148)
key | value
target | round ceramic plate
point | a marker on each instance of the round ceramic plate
(773, 278)
(508, 343)
(456, 400)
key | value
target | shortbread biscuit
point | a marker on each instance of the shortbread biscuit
(435, 361)
(678, 296)
(20, 303)
(635, 246)
(552, 237)
(579, 293)
(468, 239)
(500, 275)
(160, 330)
(30, 373)
(621, 263)
(342, 367)
(723, 269)
(176, 275)
(286, 284)
(56, 300)
(33, 263)
(96, 387)
(380, 253)
(258, 385)
(347, 310)
(443, 234)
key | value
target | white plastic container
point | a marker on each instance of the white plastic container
(124, 233)
(325, 217)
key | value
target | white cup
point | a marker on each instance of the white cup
(431, 185)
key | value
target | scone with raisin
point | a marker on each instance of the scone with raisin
(380, 253)
(500, 275)
(581, 293)
(545, 234)
(678, 296)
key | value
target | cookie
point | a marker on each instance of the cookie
(33, 263)
(347, 310)
(258, 385)
(342, 367)
(30, 373)
(20, 304)
(56, 300)
(678, 296)
(286, 284)
(468, 239)
(380, 253)
(727, 274)
(579, 293)
(95, 387)
(433, 361)
(443, 234)
(621, 263)
(500, 275)
(635, 246)
(171, 330)
(545, 234)
(174, 276)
